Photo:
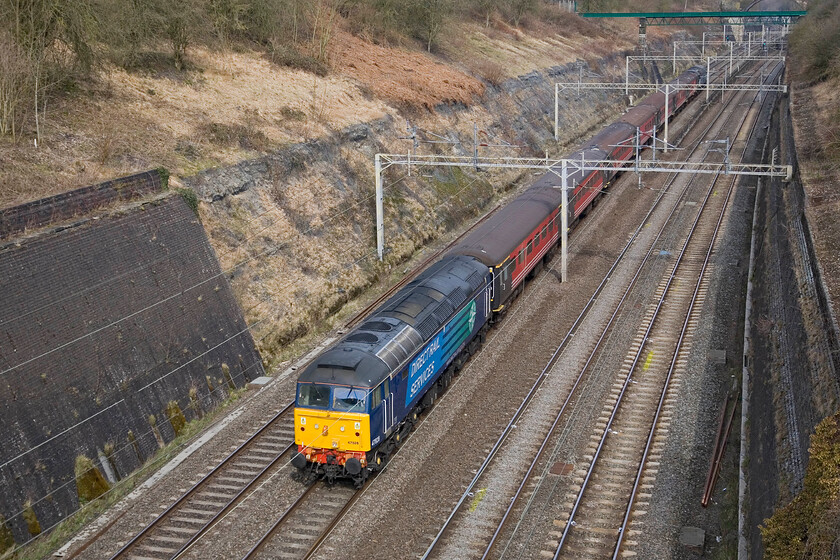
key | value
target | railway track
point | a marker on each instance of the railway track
(194, 513)
(216, 493)
(443, 544)
(626, 446)
(304, 525)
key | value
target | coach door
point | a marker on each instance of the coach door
(387, 406)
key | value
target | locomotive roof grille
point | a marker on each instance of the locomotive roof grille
(398, 348)
(378, 326)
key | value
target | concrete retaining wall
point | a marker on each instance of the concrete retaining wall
(101, 325)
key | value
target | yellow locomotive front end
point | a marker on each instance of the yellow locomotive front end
(332, 430)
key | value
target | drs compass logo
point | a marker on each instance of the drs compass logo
(437, 354)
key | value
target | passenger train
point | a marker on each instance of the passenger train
(358, 400)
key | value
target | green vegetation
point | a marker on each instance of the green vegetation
(176, 418)
(7, 539)
(808, 526)
(190, 198)
(164, 177)
(90, 484)
(32, 523)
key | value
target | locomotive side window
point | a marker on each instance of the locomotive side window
(345, 398)
(375, 397)
(314, 395)
(530, 247)
(544, 232)
(521, 256)
(386, 388)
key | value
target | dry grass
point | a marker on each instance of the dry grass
(121, 122)
(232, 106)
(402, 77)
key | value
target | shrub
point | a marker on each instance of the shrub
(808, 526)
(176, 418)
(90, 484)
(815, 42)
(190, 198)
(286, 55)
(7, 539)
(31, 519)
(492, 72)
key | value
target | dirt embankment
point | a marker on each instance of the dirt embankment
(282, 160)
(820, 172)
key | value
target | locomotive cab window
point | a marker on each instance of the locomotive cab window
(314, 395)
(349, 399)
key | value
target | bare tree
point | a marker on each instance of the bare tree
(228, 17)
(36, 36)
(429, 17)
(323, 18)
(14, 83)
(518, 9)
(486, 8)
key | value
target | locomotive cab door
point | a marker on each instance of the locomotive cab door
(387, 406)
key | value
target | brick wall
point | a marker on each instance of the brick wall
(65, 206)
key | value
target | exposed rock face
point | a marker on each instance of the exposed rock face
(298, 224)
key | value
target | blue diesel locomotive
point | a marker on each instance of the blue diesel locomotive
(358, 400)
